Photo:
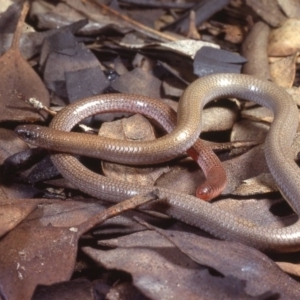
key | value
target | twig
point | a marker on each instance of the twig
(136, 25)
(18, 30)
(117, 209)
(38, 105)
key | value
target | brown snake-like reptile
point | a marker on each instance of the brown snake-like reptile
(186, 208)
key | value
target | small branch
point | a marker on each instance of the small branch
(38, 105)
(134, 24)
(117, 209)
(19, 27)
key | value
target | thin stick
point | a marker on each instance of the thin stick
(117, 209)
(19, 27)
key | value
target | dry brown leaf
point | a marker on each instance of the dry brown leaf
(230, 259)
(295, 93)
(10, 144)
(43, 248)
(263, 212)
(19, 82)
(218, 118)
(160, 271)
(14, 213)
(225, 116)
(260, 114)
(293, 269)
(134, 128)
(290, 7)
(247, 130)
(75, 289)
(139, 82)
(248, 165)
(261, 184)
(283, 70)
(268, 10)
(285, 40)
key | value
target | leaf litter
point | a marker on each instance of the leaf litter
(47, 239)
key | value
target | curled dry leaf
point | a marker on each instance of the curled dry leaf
(293, 269)
(260, 113)
(269, 11)
(283, 70)
(19, 82)
(133, 128)
(188, 47)
(290, 7)
(226, 118)
(285, 40)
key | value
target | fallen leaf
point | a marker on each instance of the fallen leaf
(284, 40)
(135, 128)
(283, 70)
(43, 248)
(290, 7)
(139, 82)
(14, 213)
(19, 82)
(269, 11)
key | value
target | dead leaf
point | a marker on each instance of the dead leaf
(134, 128)
(269, 11)
(283, 70)
(43, 248)
(290, 7)
(14, 213)
(289, 268)
(263, 212)
(248, 165)
(210, 60)
(173, 273)
(139, 82)
(230, 259)
(19, 82)
(261, 184)
(260, 114)
(76, 289)
(10, 144)
(284, 41)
